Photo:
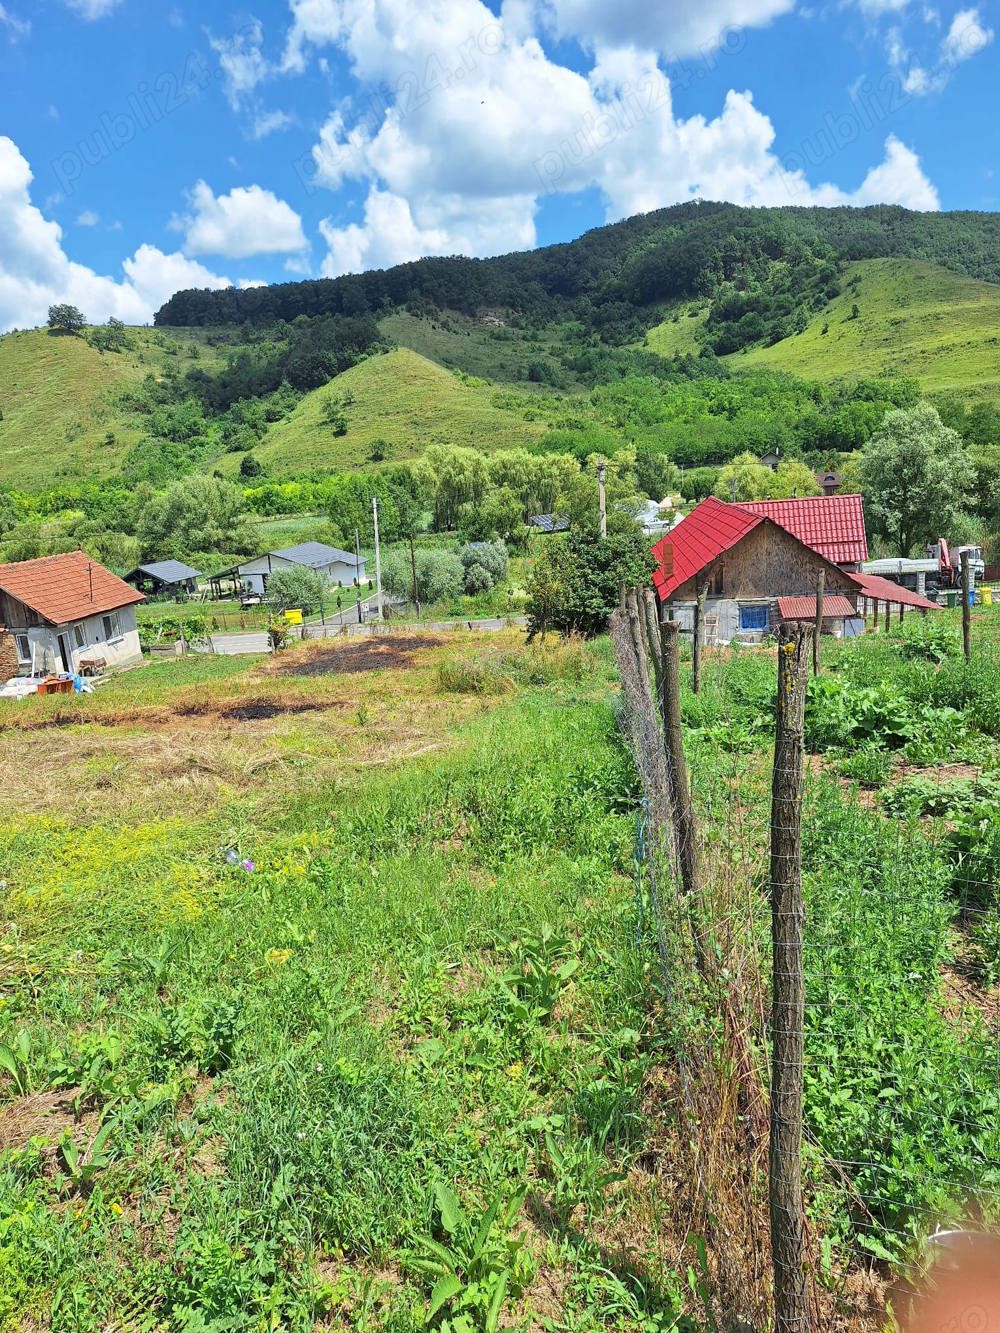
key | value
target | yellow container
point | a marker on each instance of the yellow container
(987, 597)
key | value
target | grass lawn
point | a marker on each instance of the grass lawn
(289, 1093)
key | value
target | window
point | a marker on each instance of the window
(753, 617)
(23, 648)
(112, 629)
(79, 638)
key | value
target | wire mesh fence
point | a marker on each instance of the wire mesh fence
(887, 1018)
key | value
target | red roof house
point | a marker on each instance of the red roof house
(833, 525)
(65, 610)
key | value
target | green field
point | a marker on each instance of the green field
(401, 398)
(246, 1098)
(914, 320)
(491, 351)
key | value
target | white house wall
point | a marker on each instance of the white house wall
(253, 575)
(119, 651)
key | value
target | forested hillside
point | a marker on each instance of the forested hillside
(780, 261)
(671, 344)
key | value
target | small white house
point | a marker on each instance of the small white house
(66, 610)
(340, 567)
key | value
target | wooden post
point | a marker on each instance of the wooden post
(966, 608)
(820, 583)
(791, 1302)
(634, 616)
(602, 499)
(902, 608)
(698, 638)
(413, 571)
(680, 792)
(653, 637)
(888, 613)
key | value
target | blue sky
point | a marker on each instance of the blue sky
(148, 147)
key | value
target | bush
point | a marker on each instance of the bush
(485, 565)
(297, 588)
(440, 575)
(574, 588)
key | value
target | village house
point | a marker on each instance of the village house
(342, 568)
(758, 564)
(165, 578)
(67, 613)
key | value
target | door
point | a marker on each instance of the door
(65, 652)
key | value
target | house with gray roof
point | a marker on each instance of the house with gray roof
(340, 567)
(165, 578)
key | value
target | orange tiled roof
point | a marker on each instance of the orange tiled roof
(61, 588)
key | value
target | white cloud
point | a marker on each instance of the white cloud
(245, 284)
(14, 27)
(965, 38)
(88, 218)
(247, 221)
(457, 165)
(93, 9)
(271, 122)
(676, 30)
(35, 271)
(242, 62)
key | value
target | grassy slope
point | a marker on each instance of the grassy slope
(915, 320)
(401, 398)
(59, 397)
(678, 338)
(405, 839)
(460, 343)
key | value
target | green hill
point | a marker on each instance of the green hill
(914, 319)
(400, 398)
(61, 415)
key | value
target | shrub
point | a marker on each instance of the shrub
(485, 565)
(299, 588)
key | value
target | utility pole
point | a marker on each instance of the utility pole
(966, 606)
(413, 571)
(378, 559)
(357, 570)
(602, 499)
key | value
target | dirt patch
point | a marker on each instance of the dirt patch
(381, 653)
(262, 710)
(43, 1115)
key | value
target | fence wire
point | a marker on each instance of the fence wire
(901, 974)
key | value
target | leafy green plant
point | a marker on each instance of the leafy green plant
(84, 1170)
(580, 1172)
(15, 1061)
(869, 765)
(542, 968)
(477, 1265)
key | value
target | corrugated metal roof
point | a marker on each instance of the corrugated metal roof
(710, 529)
(804, 608)
(833, 525)
(167, 571)
(63, 588)
(315, 554)
(884, 590)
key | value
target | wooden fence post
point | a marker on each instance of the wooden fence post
(698, 638)
(791, 1299)
(820, 583)
(634, 617)
(680, 792)
(653, 637)
(888, 614)
(966, 608)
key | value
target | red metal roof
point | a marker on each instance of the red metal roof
(804, 608)
(61, 588)
(710, 529)
(833, 525)
(884, 590)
